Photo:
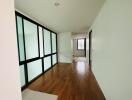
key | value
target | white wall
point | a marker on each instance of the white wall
(9, 66)
(64, 47)
(112, 49)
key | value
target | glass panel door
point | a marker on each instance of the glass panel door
(20, 39)
(47, 42)
(31, 40)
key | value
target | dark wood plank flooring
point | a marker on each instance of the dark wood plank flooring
(70, 82)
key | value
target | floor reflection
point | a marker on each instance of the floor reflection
(81, 68)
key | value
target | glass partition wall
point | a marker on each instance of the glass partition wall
(37, 49)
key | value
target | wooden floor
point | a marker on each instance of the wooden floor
(70, 82)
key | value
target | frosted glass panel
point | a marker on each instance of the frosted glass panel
(41, 42)
(34, 69)
(47, 63)
(22, 75)
(20, 38)
(53, 43)
(31, 40)
(47, 42)
(54, 59)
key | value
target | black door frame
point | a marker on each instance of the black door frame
(85, 47)
(90, 48)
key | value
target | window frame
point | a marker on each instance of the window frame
(26, 61)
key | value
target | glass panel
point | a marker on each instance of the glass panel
(47, 63)
(81, 44)
(20, 38)
(31, 40)
(34, 69)
(53, 43)
(22, 75)
(54, 59)
(47, 42)
(41, 42)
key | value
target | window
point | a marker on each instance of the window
(80, 44)
(20, 38)
(47, 42)
(37, 49)
(34, 69)
(53, 43)
(47, 63)
(41, 41)
(22, 75)
(54, 59)
(31, 40)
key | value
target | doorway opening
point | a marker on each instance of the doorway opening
(79, 47)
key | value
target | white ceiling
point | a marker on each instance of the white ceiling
(70, 16)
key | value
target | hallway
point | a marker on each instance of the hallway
(70, 82)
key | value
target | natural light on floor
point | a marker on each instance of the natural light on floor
(81, 68)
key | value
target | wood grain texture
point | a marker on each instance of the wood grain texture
(70, 82)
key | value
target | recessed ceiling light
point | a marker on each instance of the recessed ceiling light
(56, 4)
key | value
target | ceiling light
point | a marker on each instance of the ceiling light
(56, 4)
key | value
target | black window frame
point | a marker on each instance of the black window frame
(26, 61)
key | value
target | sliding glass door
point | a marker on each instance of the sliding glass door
(54, 48)
(37, 49)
